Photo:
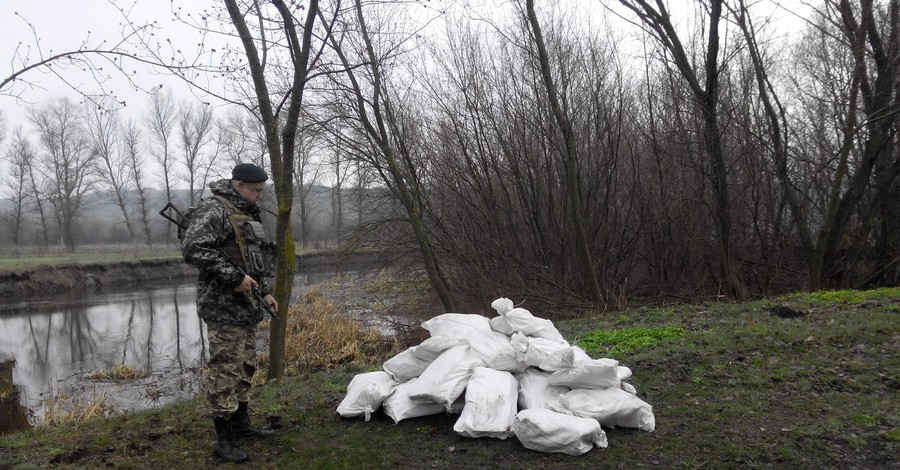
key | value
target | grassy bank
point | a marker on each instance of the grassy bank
(804, 381)
(35, 261)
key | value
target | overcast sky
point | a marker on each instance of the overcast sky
(63, 25)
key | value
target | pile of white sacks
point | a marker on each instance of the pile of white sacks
(519, 375)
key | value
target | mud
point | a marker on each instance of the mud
(90, 276)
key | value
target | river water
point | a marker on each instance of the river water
(54, 344)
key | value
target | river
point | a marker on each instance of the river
(56, 343)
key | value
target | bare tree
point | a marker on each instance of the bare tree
(704, 85)
(380, 120)
(105, 132)
(573, 189)
(160, 120)
(67, 163)
(131, 147)
(20, 157)
(195, 125)
(271, 102)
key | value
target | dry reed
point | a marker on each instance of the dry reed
(60, 408)
(320, 336)
(118, 372)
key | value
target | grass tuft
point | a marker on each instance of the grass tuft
(118, 372)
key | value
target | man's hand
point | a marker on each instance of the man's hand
(271, 302)
(246, 286)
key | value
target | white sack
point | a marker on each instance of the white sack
(490, 404)
(566, 358)
(446, 378)
(492, 347)
(432, 347)
(610, 406)
(399, 406)
(405, 366)
(365, 394)
(498, 323)
(623, 372)
(539, 349)
(519, 319)
(535, 392)
(597, 373)
(502, 305)
(547, 431)
(629, 388)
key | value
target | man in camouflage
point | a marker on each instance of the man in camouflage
(226, 303)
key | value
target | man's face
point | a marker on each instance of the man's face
(252, 192)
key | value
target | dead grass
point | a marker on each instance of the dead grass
(60, 408)
(118, 372)
(320, 336)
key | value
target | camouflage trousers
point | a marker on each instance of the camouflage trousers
(232, 359)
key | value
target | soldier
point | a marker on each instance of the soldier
(225, 301)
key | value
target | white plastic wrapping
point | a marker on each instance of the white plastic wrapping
(547, 431)
(446, 378)
(493, 347)
(566, 358)
(610, 406)
(432, 347)
(597, 373)
(365, 394)
(490, 409)
(399, 406)
(535, 392)
(405, 366)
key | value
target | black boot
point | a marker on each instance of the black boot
(240, 424)
(225, 448)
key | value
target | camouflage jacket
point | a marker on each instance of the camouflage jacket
(208, 230)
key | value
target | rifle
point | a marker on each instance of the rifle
(256, 292)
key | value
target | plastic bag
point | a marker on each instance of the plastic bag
(399, 406)
(535, 392)
(432, 347)
(566, 358)
(490, 409)
(547, 431)
(405, 366)
(446, 378)
(365, 394)
(493, 347)
(598, 373)
(610, 406)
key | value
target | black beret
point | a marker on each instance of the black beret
(249, 172)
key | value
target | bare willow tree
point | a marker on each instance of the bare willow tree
(66, 163)
(278, 108)
(381, 121)
(195, 127)
(105, 132)
(703, 82)
(160, 120)
(134, 160)
(20, 156)
(570, 152)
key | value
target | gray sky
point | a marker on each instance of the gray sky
(63, 25)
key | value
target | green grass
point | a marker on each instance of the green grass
(736, 388)
(626, 340)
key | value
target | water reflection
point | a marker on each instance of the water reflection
(58, 343)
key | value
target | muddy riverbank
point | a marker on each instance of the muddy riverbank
(90, 276)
